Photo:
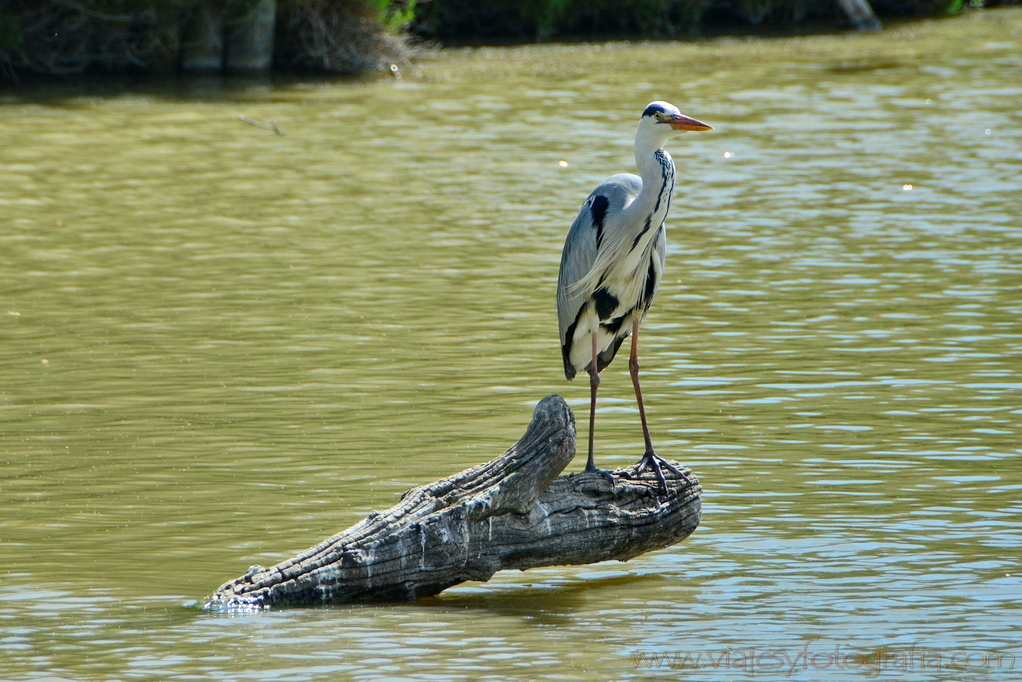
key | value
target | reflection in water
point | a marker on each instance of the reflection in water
(221, 345)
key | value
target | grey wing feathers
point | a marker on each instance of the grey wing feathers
(576, 259)
(583, 243)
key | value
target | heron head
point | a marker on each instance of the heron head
(664, 120)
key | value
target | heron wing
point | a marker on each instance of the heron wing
(584, 243)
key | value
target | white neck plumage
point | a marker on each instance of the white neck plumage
(656, 168)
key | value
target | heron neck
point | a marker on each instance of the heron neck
(656, 168)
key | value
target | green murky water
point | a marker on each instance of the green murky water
(219, 345)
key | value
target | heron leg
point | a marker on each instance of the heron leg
(650, 460)
(633, 369)
(594, 383)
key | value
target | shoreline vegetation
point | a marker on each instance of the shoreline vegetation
(66, 37)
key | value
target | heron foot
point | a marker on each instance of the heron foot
(655, 463)
(603, 472)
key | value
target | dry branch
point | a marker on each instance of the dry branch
(512, 512)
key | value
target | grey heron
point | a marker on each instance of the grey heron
(612, 263)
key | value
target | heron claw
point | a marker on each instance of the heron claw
(603, 472)
(654, 462)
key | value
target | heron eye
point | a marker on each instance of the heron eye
(658, 115)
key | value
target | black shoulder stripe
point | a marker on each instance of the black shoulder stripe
(606, 303)
(599, 210)
(569, 369)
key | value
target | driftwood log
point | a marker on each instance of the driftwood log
(512, 512)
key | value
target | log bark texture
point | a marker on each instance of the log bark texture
(512, 512)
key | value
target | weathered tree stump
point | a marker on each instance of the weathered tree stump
(202, 42)
(215, 39)
(512, 512)
(860, 15)
(250, 38)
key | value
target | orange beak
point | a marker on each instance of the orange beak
(681, 122)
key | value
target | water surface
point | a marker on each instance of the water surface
(220, 345)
